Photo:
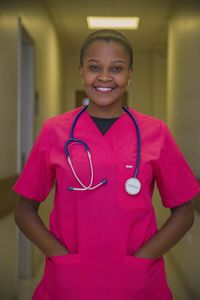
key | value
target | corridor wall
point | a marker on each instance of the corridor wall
(183, 107)
(49, 86)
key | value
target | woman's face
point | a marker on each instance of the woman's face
(105, 72)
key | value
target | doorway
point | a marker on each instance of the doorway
(25, 131)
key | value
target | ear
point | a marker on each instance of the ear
(130, 73)
(81, 70)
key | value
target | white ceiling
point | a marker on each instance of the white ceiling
(70, 19)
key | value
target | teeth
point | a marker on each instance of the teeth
(104, 89)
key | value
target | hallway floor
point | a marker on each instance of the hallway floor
(27, 286)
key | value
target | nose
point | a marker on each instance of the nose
(105, 76)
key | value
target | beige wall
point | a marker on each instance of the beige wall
(73, 78)
(183, 103)
(49, 84)
(159, 74)
(183, 117)
(8, 92)
(8, 258)
(140, 88)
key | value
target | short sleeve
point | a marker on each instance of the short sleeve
(174, 178)
(37, 177)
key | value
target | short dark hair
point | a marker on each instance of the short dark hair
(107, 35)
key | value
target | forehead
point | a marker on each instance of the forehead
(106, 49)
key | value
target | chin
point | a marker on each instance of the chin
(104, 103)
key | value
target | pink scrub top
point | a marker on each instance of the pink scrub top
(103, 228)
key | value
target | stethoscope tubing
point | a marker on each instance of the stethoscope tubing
(138, 140)
(78, 179)
(72, 139)
(71, 134)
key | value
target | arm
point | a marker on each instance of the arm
(30, 223)
(179, 222)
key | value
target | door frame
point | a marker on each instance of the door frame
(25, 130)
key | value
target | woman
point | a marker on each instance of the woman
(103, 242)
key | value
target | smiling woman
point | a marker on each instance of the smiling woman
(106, 69)
(103, 242)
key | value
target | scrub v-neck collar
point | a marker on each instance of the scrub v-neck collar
(112, 127)
(118, 134)
(104, 124)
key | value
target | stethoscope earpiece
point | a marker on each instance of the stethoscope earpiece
(132, 185)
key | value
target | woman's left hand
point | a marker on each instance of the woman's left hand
(142, 253)
(179, 222)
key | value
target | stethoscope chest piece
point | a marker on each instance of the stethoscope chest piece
(133, 186)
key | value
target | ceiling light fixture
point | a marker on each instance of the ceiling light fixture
(123, 23)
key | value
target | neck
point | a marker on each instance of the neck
(105, 112)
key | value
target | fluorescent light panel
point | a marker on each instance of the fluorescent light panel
(126, 23)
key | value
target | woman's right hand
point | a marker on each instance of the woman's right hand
(60, 253)
(30, 223)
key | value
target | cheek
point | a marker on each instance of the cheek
(123, 82)
(88, 79)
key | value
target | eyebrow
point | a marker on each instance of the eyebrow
(114, 61)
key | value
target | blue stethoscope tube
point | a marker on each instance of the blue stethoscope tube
(71, 134)
(138, 141)
(132, 185)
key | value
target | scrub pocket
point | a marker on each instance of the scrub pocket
(134, 203)
(61, 278)
(144, 279)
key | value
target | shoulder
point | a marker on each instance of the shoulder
(58, 126)
(62, 119)
(148, 121)
(155, 134)
(60, 122)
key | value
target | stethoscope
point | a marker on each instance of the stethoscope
(132, 185)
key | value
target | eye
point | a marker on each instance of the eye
(116, 69)
(94, 68)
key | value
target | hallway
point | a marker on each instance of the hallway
(40, 42)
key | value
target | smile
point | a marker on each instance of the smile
(104, 89)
